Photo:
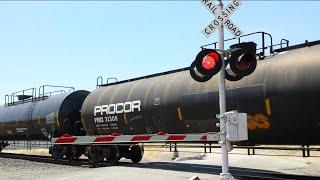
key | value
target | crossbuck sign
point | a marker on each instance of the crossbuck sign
(222, 18)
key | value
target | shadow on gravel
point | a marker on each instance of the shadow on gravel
(239, 173)
(187, 167)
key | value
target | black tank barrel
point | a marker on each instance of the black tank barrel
(38, 119)
(281, 98)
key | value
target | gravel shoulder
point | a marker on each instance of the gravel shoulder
(158, 164)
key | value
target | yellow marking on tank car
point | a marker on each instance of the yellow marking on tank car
(39, 120)
(125, 118)
(57, 119)
(268, 107)
(179, 113)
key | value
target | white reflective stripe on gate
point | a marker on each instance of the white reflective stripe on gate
(123, 138)
(159, 138)
(85, 139)
(193, 138)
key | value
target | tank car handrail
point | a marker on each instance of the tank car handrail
(10, 98)
(101, 81)
(239, 40)
(5, 100)
(42, 95)
(24, 97)
(282, 42)
(112, 78)
(215, 43)
(285, 42)
(51, 92)
(23, 92)
(55, 86)
(305, 44)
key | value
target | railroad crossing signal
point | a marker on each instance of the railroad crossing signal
(222, 18)
(241, 62)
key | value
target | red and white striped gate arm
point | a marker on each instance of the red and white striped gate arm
(147, 138)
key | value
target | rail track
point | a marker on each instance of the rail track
(44, 159)
(238, 173)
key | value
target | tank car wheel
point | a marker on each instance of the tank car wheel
(136, 153)
(95, 154)
(78, 151)
(112, 154)
(56, 152)
(67, 152)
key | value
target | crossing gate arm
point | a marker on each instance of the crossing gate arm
(145, 138)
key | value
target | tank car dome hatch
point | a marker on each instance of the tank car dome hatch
(23, 97)
(50, 117)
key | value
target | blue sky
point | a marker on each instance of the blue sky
(72, 43)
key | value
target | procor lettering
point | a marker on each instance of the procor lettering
(125, 107)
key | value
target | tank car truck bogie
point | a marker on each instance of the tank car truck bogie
(109, 149)
(108, 154)
(70, 152)
(3, 144)
(111, 154)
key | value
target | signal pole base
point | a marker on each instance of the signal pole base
(175, 152)
(226, 176)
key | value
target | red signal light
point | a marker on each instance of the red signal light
(209, 61)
